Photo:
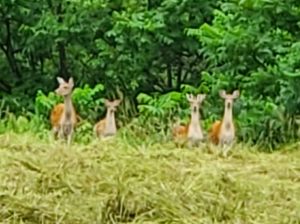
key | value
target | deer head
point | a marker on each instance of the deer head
(195, 101)
(112, 105)
(229, 98)
(65, 88)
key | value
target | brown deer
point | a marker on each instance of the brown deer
(63, 116)
(193, 131)
(223, 132)
(107, 126)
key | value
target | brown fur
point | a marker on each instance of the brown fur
(179, 134)
(180, 131)
(192, 132)
(57, 113)
(214, 132)
(107, 126)
(100, 127)
(224, 131)
(63, 116)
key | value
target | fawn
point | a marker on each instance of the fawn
(191, 132)
(63, 116)
(107, 126)
(223, 132)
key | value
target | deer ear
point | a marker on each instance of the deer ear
(117, 102)
(60, 80)
(189, 97)
(235, 94)
(106, 102)
(200, 97)
(222, 93)
(71, 81)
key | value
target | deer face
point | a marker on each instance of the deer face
(112, 105)
(195, 101)
(229, 97)
(64, 88)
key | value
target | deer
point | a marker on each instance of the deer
(107, 127)
(63, 115)
(192, 132)
(223, 132)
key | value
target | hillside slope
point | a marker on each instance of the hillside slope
(114, 183)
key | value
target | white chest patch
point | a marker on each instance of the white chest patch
(227, 134)
(195, 132)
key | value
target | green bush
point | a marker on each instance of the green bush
(88, 102)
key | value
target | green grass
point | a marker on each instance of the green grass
(112, 182)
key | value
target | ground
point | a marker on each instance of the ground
(114, 182)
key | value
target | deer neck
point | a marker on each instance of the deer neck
(110, 128)
(227, 117)
(195, 118)
(68, 110)
(194, 130)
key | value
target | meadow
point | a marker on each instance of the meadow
(150, 53)
(117, 182)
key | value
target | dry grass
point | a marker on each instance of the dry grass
(115, 183)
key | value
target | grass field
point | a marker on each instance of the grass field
(113, 182)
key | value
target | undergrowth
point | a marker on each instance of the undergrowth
(117, 182)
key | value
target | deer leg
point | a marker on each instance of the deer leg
(54, 133)
(69, 132)
(69, 139)
(190, 143)
(61, 133)
(222, 146)
(226, 148)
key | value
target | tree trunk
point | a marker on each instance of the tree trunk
(169, 78)
(5, 87)
(63, 68)
(9, 52)
(179, 77)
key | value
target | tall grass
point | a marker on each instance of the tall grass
(114, 182)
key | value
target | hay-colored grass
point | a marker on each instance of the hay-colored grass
(108, 182)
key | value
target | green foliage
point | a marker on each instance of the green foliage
(159, 106)
(155, 52)
(249, 47)
(23, 124)
(44, 103)
(89, 102)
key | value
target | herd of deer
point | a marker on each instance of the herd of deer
(63, 119)
(222, 131)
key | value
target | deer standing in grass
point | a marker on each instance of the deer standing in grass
(193, 131)
(223, 132)
(107, 126)
(63, 116)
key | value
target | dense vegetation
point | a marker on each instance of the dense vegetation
(153, 52)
